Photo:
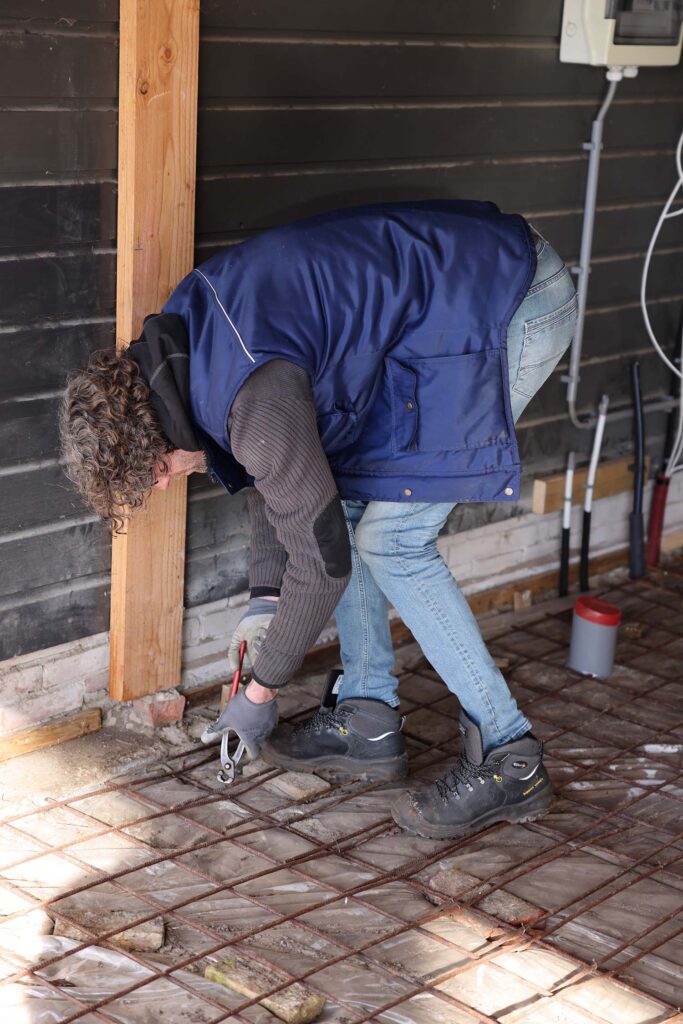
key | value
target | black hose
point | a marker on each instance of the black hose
(584, 583)
(564, 565)
(636, 525)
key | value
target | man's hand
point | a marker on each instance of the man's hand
(252, 627)
(252, 722)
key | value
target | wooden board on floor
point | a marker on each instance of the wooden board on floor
(48, 735)
(159, 46)
(672, 542)
(612, 477)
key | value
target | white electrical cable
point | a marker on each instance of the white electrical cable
(568, 491)
(664, 215)
(672, 465)
(595, 453)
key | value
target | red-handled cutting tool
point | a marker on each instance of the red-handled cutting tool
(237, 674)
(229, 764)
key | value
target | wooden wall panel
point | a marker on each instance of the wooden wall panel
(57, 214)
(58, 82)
(45, 617)
(381, 66)
(71, 65)
(37, 143)
(29, 563)
(35, 495)
(36, 358)
(228, 198)
(257, 135)
(304, 107)
(400, 17)
(58, 13)
(67, 286)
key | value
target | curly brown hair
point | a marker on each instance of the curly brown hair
(110, 436)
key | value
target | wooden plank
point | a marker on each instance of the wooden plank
(59, 731)
(540, 442)
(57, 214)
(38, 358)
(604, 374)
(157, 154)
(612, 477)
(531, 18)
(78, 65)
(289, 133)
(68, 286)
(61, 11)
(672, 542)
(40, 142)
(28, 430)
(617, 230)
(386, 65)
(36, 496)
(260, 197)
(59, 556)
(35, 620)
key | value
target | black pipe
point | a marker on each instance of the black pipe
(636, 524)
(584, 583)
(564, 564)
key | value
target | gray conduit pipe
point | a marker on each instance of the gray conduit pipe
(594, 148)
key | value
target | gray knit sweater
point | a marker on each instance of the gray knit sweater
(299, 543)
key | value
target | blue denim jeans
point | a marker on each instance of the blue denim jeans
(395, 557)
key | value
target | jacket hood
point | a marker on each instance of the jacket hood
(162, 353)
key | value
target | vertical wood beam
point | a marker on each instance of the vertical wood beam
(159, 47)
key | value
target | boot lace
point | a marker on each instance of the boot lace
(461, 775)
(323, 718)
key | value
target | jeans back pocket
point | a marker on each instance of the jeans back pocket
(546, 339)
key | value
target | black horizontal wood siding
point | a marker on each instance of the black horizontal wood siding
(303, 107)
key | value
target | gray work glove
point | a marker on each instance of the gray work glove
(252, 627)
(252, 722)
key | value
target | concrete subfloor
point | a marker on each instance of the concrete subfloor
(126, 867)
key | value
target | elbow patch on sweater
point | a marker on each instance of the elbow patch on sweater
(333, 539)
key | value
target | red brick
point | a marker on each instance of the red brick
(160, 708)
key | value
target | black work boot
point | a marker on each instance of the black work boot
(355, 738)
(509, 784)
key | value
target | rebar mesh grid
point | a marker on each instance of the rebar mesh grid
(329, 892)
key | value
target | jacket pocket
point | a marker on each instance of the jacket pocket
(337, 427)
(448, 403)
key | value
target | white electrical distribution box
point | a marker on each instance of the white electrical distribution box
(622, 33)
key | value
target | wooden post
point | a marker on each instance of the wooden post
(159, 42)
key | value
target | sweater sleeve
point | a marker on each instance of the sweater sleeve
(273, 433)
(268, 559)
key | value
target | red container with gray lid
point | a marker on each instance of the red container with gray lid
(595, 626)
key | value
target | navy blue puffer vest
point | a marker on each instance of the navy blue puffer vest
(399, 315)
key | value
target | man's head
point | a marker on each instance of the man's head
(113, 447)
